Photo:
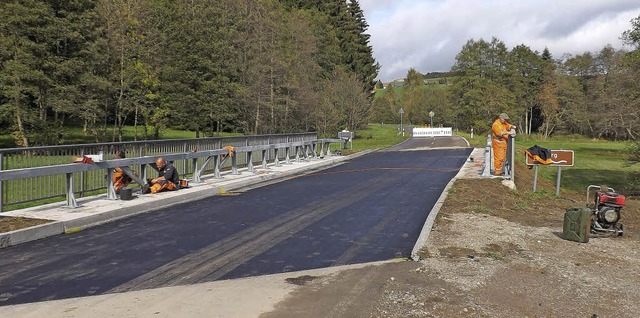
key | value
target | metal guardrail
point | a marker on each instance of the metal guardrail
(509, 165)
(90, 181)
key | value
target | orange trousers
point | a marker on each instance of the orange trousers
(163, 186)
(499, 155)
(120, 180)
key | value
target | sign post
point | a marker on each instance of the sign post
(431, 114)
(560, 158)
(401, 115)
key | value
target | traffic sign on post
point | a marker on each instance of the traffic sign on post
(560, 158)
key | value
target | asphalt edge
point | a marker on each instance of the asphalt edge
(431, 218)
(72, 226)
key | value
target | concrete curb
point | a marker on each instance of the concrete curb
(31, 234)
(71, 226)
(428, 225)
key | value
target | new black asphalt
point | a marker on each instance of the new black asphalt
(370, 209)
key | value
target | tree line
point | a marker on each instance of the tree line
(250, 66)
(592, 94)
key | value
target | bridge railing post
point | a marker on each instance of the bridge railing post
(486, 172)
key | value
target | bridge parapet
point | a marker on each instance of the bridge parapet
(35, 174)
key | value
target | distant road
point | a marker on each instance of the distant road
(369, 209)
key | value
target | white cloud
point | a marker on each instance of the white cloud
(427, 34)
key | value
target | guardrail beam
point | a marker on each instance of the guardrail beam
(309, 148)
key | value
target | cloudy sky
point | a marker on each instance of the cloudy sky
(427, 34)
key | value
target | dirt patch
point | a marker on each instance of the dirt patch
(493, 252)
(8, 224)
(301, 280)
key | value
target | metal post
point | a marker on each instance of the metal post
(234, 163)
(558, 176)
(216, 169)
(71, 198)
(143, 172)
(287, 152)
(184, 162)
(250, 162)
(1, 182)
(487, 158)
(276, 160)
(143, 167)
(82, 153)
(111, 191)
(196, 174)
(264, 159)
(535, 178)
(512, 156)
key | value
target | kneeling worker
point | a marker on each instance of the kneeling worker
(120, 179)
(167, 179)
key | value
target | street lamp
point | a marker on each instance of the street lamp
(431, 114)
(401, 113)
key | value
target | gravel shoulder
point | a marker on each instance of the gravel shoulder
(493, 252)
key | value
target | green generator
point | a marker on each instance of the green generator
(577, 224)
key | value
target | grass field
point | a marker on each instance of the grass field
(598, 162)
(375, 136)
(74, 135)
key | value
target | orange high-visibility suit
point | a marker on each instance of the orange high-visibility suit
(120, 179)
(167, 180)
(499, 140)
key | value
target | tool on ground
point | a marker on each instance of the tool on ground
(597, 219)
(607, 208)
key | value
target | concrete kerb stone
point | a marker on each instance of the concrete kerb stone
(31, 234)
(428, 225)
(70, 226)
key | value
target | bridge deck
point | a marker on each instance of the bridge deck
(369, 209)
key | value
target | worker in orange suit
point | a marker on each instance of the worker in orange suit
(168, 178)
(120, 179)
(501, 130)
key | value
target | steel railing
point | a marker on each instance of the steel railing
(48, 187)
(509, 164)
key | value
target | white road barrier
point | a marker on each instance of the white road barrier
(432, 132)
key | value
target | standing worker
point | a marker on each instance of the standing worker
(501, 130)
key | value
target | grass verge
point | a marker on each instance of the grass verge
(375, 136)
(597, 162)
(8, 224)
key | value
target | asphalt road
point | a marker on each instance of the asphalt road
(369, 209)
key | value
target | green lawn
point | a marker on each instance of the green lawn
(478, 140)
(596, 162)
(74, 135)
(375, 136)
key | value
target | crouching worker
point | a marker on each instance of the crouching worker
(120, 179)
(167, 179)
